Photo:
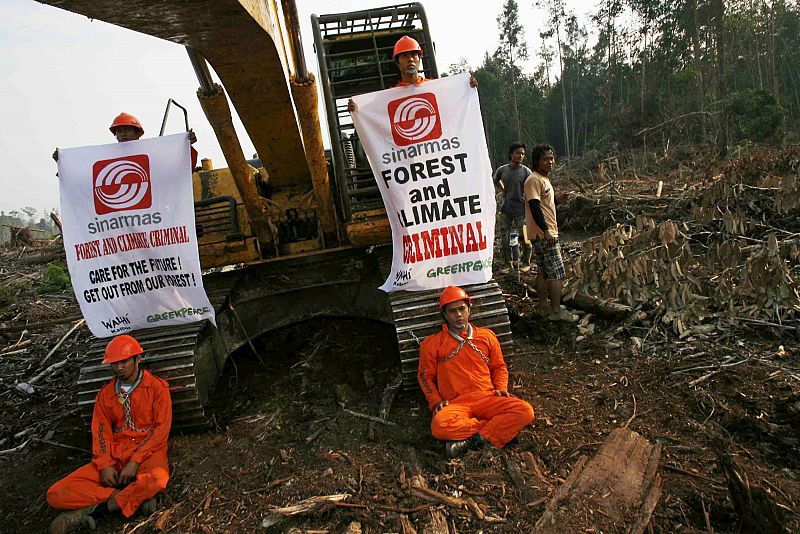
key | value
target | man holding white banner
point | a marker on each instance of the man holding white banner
(129, 234)
(427, 149)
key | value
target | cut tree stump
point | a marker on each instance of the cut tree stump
(616, 492)
(436, 522)
(755, 507)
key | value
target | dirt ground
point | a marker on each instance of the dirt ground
(282, 437)
(724, 387)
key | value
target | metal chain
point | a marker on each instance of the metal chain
(462, 342)
(415, 337)
(125, 398)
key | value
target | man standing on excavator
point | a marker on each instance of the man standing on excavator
(126, 127)
(407, 55)
(465, 379)
(130, 426)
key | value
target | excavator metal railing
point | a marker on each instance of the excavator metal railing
(354, 51)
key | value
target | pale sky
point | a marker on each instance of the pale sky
(65, 78)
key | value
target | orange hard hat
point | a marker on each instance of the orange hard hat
(126, 119)
(121, 348)
(406, 44)
(452, 294)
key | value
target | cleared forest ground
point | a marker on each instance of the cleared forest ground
(708, 371)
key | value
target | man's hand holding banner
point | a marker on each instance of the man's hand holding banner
(427, 149)
(129, 234)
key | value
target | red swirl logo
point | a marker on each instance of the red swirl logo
(122, 184)
(415, 119)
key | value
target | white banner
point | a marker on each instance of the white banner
(426, 146)
(129, 234)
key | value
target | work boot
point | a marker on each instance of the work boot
(73, 521)
(150, 506)
(562, 315)
(454, 449)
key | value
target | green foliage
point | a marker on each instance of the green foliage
(54, 278)
(756, 115)
(10, 292)
(658, 72)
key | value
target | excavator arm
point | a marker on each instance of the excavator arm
(246, 42)
(241, 40)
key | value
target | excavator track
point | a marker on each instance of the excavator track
(249, 302)
(252, 301)
(172, 353)
(169, 353)
(416, 315)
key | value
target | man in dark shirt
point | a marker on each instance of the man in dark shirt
(509, 179)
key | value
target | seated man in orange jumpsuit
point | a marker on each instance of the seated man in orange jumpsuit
(465, 379)
(130, 426)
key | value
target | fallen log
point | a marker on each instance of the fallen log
(41, 258)
(39, 326)
(436, 522)
(620, 487)
(47, 372)
(368, 417)
(598, 306)
(61, 341)
(16, 346)
(594, 305)
(27, 387)
(15, 449)
(317, 504)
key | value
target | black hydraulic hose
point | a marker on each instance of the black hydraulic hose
(200, 67)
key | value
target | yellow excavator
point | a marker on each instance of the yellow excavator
(296, 233)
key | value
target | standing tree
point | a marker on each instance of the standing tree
(557, 11)
(722, 89)
(30, 212)
(512, 48)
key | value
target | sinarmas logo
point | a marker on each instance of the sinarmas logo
(122, 184)
(415, 119)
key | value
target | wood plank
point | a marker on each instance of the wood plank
(619, 487)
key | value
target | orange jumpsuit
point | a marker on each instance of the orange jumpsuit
(466, 372)
(141, 437)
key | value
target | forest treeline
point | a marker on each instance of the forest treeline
(657, 73)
